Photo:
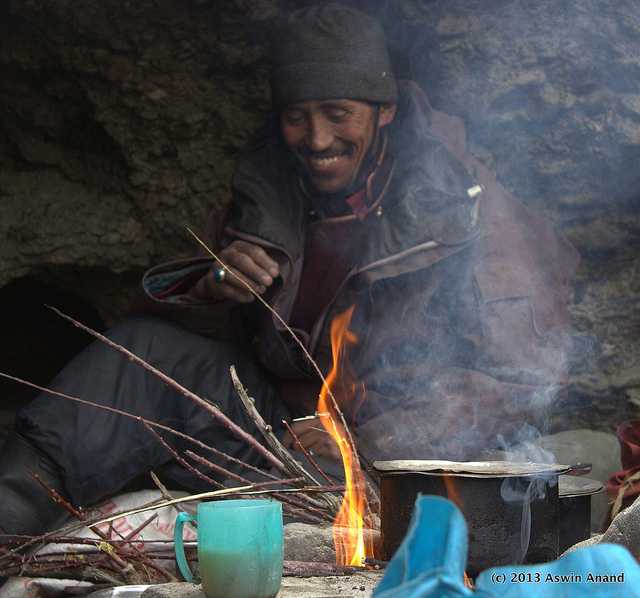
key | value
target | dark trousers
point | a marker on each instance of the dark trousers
(99, 452)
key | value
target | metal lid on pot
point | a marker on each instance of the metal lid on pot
(570, 486)
(470, 468)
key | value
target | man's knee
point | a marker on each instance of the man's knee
(138, 327)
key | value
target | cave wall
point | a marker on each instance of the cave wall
(120, 122)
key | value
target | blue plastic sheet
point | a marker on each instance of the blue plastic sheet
(431, 560)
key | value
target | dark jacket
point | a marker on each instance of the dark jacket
(461, 304)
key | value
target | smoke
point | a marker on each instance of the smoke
(547, 92)
(524, 447)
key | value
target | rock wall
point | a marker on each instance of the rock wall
(120, 122)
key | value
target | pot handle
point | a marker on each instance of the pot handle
(579, 469)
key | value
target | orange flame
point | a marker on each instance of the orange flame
(348, 526)
(452, 491)
(454, 496)
(468, 582)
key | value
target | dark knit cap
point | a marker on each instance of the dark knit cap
(331, 51)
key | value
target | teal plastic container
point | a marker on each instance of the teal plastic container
(240, 548)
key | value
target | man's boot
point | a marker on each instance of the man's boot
(25, 506)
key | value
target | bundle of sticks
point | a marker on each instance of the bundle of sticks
(306, 491)
(118, 559)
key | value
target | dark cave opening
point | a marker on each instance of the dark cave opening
(36, 343)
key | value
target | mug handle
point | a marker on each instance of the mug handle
(181, 559)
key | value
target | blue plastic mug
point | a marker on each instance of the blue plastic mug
(240, 548)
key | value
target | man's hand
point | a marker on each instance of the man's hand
(314, 438)
(250, 262)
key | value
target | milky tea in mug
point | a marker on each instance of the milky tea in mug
(240, 548)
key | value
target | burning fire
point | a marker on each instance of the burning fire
(454, 496)
(348, 526)
(352, 548)
(452, 491)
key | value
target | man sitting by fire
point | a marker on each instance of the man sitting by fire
(357, 194)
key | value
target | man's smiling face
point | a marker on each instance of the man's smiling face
(332, 138)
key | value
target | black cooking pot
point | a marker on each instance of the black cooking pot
(511, 509)
(575, 509)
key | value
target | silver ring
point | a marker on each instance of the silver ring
(220, 275)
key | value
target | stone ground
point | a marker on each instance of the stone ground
(625, 530)
(360, 585)
(357, 586)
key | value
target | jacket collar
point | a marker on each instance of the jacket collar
(427, 203)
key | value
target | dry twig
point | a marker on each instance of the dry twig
(125, 568)
(295, 507)
(58, 499)
(248, 490)
(141, 419)
(182, 461)
(317, 509)
(229, 424)
(162, 488)
(306, 453)
(267, 431)
(314, 365)
(290, 463)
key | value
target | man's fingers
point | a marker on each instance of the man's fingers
(247, 266)
(324, 447)
(252, 261)
(314, 439)
(249, 271)
(208, 286)
(313, 432)
(306, 432)
(305, 425)
(238, 280)
(260, 257)
(311, 438)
